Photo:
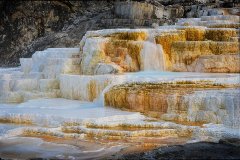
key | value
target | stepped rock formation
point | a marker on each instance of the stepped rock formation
(180, 101)
(175, 84)
(26, 27)
(185, 48)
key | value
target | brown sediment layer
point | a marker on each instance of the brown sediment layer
(188, 44)
(118, 49)
(134, 36)
(136, 142)
(166, 132)
(92, 90)
(187, 123)
(215, 34)
(225, 25)
(181, 48)
(154, 99)
(16, 120)
(124, 127)
(166, 39)
(194, 33)
(187, 52)
(132, 145)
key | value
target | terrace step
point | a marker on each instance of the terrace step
(48, 85)
(24, 84)
(22, 96)
(122, 133)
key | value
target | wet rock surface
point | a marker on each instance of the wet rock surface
(173, 102)
(201, 150)
(180, 108)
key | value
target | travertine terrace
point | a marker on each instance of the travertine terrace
(182, 80)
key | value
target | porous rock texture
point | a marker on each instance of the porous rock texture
(176, 48)
(180, 101)
(28, 26)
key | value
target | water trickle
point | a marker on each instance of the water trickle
(152, 57)
(55, 73)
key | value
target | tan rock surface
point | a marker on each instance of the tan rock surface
(181, 101)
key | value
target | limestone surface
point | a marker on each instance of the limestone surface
(182, 80)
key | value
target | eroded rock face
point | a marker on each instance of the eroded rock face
(197, 56)
(30, 26)
(192, 45)
(184, 49)
(193, 48)
(138, 10)
(121, 48)
(181, 101)
(214, 63)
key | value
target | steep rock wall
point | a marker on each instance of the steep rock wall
(28, 26)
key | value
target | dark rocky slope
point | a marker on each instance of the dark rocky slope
(28, 26)
(201, 150)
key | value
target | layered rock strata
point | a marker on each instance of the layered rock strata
(180, 101)
(38, 76)
(202, 106)
(194, 49)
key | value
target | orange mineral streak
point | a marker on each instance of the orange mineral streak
(154, 99)
(124, 49)
(189, 51)
(118, 50)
